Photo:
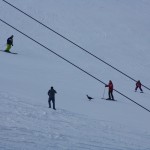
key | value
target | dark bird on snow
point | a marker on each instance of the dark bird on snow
(90, 98)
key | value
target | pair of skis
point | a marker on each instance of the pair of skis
(109, 99)
(8, 52)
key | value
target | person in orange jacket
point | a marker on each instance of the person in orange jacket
(110, 90)
(138, 85)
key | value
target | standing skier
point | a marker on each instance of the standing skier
(138, 85)
(110, 90)
(51, 94)
(9, 44)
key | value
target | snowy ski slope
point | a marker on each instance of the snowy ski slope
(117, 31)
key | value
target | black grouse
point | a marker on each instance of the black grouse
(90, 98)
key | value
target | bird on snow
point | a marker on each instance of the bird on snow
(90, 98)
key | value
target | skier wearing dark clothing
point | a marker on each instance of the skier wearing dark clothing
(110, 90)
(138, 85)
(9, 44)
(51, 94)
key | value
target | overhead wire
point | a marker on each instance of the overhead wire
(71, 63)
(73, 43)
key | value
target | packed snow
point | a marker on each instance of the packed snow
(116, 31)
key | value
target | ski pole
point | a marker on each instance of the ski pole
(104, 93)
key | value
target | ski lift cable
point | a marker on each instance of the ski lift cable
(71, 63)
(73, 43)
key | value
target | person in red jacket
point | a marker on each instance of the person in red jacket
(110, 90)
(138, 85)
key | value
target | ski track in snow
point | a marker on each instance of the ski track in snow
(27, 126)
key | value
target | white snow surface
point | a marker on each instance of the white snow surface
(116, 31)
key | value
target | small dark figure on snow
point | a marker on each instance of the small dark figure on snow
(9, 44)
(110, 90)
(90, 98)
(138, 85)
(51, 94)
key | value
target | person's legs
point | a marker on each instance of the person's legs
(112, 97)
(8, 48)
(49, 102)
(140, 89)
(136, 88)
(53, 103)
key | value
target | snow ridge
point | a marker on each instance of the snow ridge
(28, 126)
